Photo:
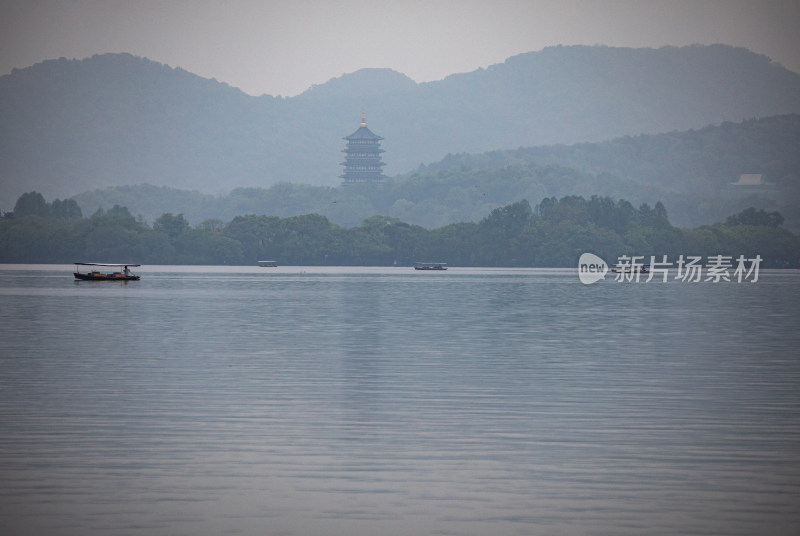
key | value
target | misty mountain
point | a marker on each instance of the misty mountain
(68, 126)
(698, 161)
(465, 187)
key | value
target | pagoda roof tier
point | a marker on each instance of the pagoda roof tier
(362, 158)
(368, 150)
(362, 173)
(361, 162)
(362, 181)
(363, 133)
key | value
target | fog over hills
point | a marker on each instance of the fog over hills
(689, 172)
(70, 126)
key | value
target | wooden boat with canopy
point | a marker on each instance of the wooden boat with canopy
(113, 272)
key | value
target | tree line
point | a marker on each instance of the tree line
(551, 234)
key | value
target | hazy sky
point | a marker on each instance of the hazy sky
(283, 47)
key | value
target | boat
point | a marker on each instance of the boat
(115, 272)
(268, 264)
(629, 271)
(430, 266)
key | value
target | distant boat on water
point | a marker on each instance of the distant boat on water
(629, 271)
(430, 266)
(268, 264)
(115, 272)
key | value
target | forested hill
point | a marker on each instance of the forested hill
(68, 126)
(697, 161)
(689, 172)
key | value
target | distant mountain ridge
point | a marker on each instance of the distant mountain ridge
(69, 126)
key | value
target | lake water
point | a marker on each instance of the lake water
(376, 401)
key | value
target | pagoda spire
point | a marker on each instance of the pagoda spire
(363, 116)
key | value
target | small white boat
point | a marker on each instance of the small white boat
(268, 264)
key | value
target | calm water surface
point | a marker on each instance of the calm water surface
(358, 401)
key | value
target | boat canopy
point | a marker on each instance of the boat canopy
(104, 264)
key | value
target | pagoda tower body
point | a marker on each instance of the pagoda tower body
(363, 161)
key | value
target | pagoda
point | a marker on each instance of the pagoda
(363, 161)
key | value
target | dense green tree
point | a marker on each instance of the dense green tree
(172, 225)
(67, 209)
(197, 246)
(120, 215)
(260, 236)
(751, 216)
(555, 234)
(510, 219)
(31, 204)
(211, 224)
